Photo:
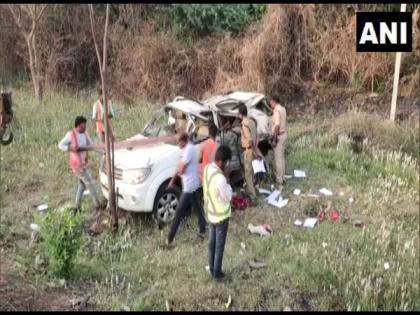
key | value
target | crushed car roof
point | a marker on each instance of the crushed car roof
(246, 97)
(188, 106)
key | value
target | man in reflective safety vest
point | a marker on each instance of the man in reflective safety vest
(98, 115)
(73, 142)
(217, 196)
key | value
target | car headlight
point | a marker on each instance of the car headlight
(136, 176)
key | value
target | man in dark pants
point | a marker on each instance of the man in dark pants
(217, 196)
(188, 170)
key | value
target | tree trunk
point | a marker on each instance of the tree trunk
(34, 66)
(108, 141)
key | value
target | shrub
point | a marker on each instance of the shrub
(61, 240)
(206, 19)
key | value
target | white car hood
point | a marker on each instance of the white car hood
(142, 157)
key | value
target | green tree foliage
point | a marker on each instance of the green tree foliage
(206, 19)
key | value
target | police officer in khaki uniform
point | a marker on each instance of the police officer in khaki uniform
(249, 140)
(279, 138)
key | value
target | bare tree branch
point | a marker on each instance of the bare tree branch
(94, 39)
(16, 18)
(105, 38)
(43, 7)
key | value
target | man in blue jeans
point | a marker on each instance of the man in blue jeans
(217, 196)
(188, 170)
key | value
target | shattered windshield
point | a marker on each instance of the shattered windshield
(160, 125)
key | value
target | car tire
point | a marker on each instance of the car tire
(165, 204)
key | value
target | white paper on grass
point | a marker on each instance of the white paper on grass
(258, 166)
(299, 173)
(325, 191)
(86, 193)
(298, 223)
(264, 191)
(35, 227)
(279, 203)
(42, 207)
(275, 199)
(288, 176)
(296, 192)
(273, 196)
(310, 222)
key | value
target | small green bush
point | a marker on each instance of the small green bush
(61, 240)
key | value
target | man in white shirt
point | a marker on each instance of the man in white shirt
(73, 142)
(188, 170)
(217, 197)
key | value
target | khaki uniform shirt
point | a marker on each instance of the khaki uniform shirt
(279, 118)
(248, 133)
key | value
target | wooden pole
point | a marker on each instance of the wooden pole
(102, 69)
(396, 77)
(108, 140)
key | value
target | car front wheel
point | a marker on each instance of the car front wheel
(165, 205)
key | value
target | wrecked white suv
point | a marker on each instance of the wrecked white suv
(142, 174)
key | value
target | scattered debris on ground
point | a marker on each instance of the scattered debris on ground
(262, 230)
(326, 192)
(264, 192)
(310, 222)
(275, 199)
(35, 227)
(358, 223)
(240, 203)
(257, 264)
(229, 302)
(42, 207)
(299, 174)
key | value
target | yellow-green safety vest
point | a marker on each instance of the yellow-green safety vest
(216, 211)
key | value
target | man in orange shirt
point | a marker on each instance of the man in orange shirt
(208, 150)
(98, 115)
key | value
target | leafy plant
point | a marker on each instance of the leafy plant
(61, 239)
(205, 19)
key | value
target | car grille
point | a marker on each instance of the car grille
(117, 172)
(106, 189)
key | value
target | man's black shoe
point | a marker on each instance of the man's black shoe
(221, 277)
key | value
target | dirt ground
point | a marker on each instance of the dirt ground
(18, 293)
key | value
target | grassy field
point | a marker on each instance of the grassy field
(335, 266)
